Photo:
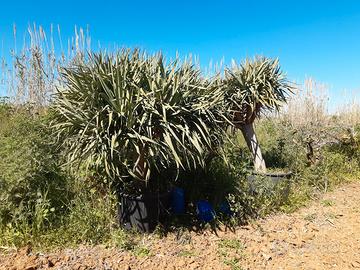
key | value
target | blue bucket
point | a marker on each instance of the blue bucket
(205, 211)
(178, 201)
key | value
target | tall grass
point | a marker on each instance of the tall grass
(349, 111)
(29, 72)
(308, 105)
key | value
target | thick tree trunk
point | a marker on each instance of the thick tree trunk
(254, 146)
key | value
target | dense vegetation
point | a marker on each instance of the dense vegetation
(130, 116)
(45, 203)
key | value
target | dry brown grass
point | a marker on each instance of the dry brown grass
(308, 105)
(31, 74)
(307, 114)
(349, 111)
(309, 108)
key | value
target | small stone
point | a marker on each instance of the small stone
(50, 263)
(267, 257)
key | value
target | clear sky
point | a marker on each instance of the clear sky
(320, 39)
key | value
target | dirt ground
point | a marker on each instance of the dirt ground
(324, 235)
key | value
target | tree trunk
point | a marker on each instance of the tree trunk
(254, 146)
(141, 168)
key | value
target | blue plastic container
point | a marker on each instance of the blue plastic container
(178, 201)
(205, 211)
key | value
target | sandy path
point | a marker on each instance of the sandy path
(324, 235)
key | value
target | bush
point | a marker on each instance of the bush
(41, 203)
(34, 190)
(131, 115)
(287, 148)
(90, 219)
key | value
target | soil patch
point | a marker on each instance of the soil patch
(324, 235)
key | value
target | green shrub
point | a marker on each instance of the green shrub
(34, 190)
(40, 203)
(91, 219)
(284, 149)
(44, 205)
(130, 115)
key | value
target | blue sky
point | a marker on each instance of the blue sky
(320, 39)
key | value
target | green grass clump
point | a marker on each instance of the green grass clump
(230, 251)
(327, 203)
(231, 244)
(187, 253)
(141, 251)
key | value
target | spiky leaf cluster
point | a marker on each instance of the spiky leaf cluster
(131, 113)
(253, 87)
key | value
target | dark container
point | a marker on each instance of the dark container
(271, 180)
(273, 176)
(205, 211)
(178, 201)
(143, 212)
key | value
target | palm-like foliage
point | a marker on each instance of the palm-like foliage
(130, 113)
(253, 87)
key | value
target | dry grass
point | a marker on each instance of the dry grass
(308, 105)
(30, 74)
(349, 112)
(307, 114)
(308, 108)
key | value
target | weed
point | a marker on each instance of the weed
(230, 250)
(327, 203)
(123, 239)
(187, 253)
(141, 251)
(310, 217)
(233, 263)
(234, 244)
